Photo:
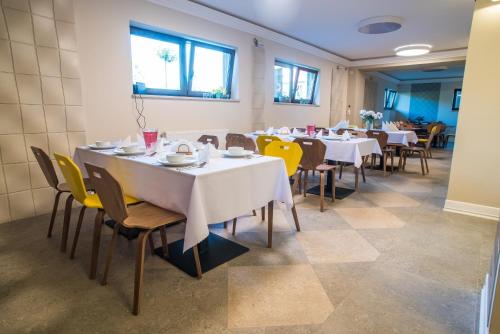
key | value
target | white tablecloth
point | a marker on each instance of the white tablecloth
(402, 137)
(225, 188)
(351, 151)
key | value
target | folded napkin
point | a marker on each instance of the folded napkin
(393, 127)
(284, 131)
(204, 153)
(126, 142)
(341, 125)
(346, 135)
(161, 146)
(384, 126)
(331, 133)
(296, 132)
(270, 131)
(140, 140)
(319, 134)
(213, 152)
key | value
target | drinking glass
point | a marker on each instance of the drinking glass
(150, 138)
(311, 129)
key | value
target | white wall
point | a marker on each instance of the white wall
(104, 42)
(445, 114)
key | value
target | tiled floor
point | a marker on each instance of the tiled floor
(384, 260)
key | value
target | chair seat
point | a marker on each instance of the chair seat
(413, 148)
(325, 168)
(388, 149)
(92, 201)
(65, 188)
(149, 216)
(423, 140)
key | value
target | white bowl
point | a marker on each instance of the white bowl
(175, 158)
(235, 150)
(102, 143)
(131, 149)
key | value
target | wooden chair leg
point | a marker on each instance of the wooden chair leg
(139, 270)
(270, 224)
(363, 173)
(234, 225)
(333, 185)
(421, 156)
(254, 213)
(96, 243)
(405, 156)
(321, 191)
(263, 213)
(341, 168)
(197, 262)
(300, 182)
(111, 249)
(306, 175)
(400, 163)
(164, 243)
(384, 157)
(225, 224)
(151, 243)
(67, 219)
(392, 162)
(356, 178)
(77, 232)
(295, 184)
(295, 218)
(54, 212)
(426, 164)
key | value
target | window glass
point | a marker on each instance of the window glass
(294, 83)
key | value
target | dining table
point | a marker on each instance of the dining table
(211, 193)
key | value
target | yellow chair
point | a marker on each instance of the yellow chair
(74, 179)
(264, 140)
(291, 153)
(427, 142)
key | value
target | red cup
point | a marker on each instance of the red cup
(311, 129)
(150, 137)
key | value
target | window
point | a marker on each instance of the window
(170, 65)
(389, 98)
(294, 83)
(457, 98)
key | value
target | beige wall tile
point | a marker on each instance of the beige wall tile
(29, 89)
(38, 140)
(33, 118)
(10, 119)
(12, 149)
(66, 35)
(19, 25)
(3, 26)
(24, 56)
(17, 177)
(17, 4)
(76, 139)
(8, 90)
(42, 7)
(64, 10)
(69, 64)
(48, 60)
(44, 200)
(56, 118)
(52, 91)
(75, 118)
(5, 57)
(37, 177)
(4, 209)
(45, 32)
(58, 143)
(72, 91)
(3, 187)
(21, 205)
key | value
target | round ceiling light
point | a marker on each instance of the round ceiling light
(380, 25)
(412, 50)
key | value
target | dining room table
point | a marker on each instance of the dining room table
(211, 193)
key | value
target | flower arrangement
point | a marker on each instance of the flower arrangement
(369, 116)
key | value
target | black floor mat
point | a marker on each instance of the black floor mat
(214, 251)
(129, 233)
(340, 192)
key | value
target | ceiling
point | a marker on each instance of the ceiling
(331, 25)
(436, 72)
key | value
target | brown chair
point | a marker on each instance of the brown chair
(50, 175)
(209, 139)
(382, 138)
(144, 216)
(359, 134)
(352, 132)
(423, 151)
(237, 139)
(313, 160)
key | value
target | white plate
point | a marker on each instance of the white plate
(189, 161)
(243, 154)
(95, 147)
(120, 151)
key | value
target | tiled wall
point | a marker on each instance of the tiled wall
(425, 101)
(40, 99)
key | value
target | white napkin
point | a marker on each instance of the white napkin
(343, 124)
(296, 132)
(331, 133)
(384, 126)
(204, 153)
(126, 142)
(319, 134)
(213, 152)
(393, 127)
(270, 131)
(140, 140)
(346, 135)
(284, 131)
(161, 145)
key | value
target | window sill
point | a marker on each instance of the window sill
(296, 104)
(184, 98)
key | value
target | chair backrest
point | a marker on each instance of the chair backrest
(209, 139)
(264, 140)
(46, 166)
(109, 191)
(73, 177)
(381, 136)
(435, 130)
(237, 139)
(313, 152)
(288, 151)
(359, 134)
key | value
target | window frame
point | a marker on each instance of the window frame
(454, 106)
(390, 96)
(186, 70)
(294, 81)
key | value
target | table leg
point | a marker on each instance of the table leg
(270, 224)
(356, 178)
